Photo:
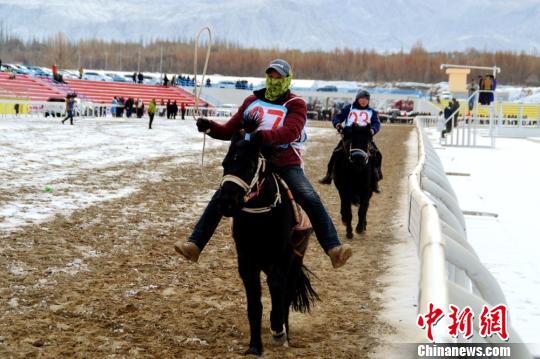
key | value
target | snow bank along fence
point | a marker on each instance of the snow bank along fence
(91, 109)
(450, 270)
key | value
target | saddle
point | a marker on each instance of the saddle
(303, 228)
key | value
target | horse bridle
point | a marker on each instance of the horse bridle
(358, 150)
(261, 166)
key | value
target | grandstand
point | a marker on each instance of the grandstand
(27, 87)
(104, 92)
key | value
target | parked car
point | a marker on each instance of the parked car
(117, 78)
(94, 76)
(445, 95)
(226, 84)
(150, 80)
(38, 71)
(328, 88)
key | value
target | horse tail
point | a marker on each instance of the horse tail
(302, 294)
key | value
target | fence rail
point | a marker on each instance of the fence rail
(450, 270)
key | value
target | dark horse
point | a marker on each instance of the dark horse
(353, 175)
(264, 215)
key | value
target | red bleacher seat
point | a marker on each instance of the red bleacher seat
(104, 92)
(24, 86)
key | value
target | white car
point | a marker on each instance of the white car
(445, 95)
(94, 76)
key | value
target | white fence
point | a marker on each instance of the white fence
(451, 272)
(92, 109)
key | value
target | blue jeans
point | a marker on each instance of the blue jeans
(303, 193)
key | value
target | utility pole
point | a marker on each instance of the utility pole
(161, 61)
(120, 60)
(106, 59)
(139, 61)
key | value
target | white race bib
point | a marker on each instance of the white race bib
(272, 117)
(360, 117)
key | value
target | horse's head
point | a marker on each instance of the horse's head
(241, 169)
(357, 140)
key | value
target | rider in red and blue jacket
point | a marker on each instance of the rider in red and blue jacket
(363, 113)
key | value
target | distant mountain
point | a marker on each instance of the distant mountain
(301, 24)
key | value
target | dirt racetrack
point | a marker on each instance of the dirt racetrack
(106, 282)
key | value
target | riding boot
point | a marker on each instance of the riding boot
(189, 250)
(340, 254)
(327, 179)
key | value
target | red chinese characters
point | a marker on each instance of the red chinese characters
(462, 322)
(491, 321)
(429, 320)
(494, 321)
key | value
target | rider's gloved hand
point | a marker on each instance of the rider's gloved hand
(251, 120)
(203, 124)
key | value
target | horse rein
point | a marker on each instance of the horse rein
(261, 166)
(358, 150)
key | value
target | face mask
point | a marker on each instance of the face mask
(275, 88)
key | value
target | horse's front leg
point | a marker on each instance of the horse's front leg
(362, 213)
(277, 285)
(251, 278)
(346, 212)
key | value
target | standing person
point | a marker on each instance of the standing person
(162, 108)
(137, 107)
(113, 106)
(447, 112)
(54, 70)
(134, 77)
(165, 80)
(174, 108)
(151, 112)
(129, 107)
(481, 88)
(472, 89)
(455, 110)
(81, 72)
(183, 110)
(285, 135)
(359, 109)
(70, 104)
(491, 85)
(140, 77)
(140, 109)
(168, 109)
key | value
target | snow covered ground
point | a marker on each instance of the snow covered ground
(504, 181)
(42, 161)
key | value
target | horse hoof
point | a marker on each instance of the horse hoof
(359, 230)
(253, 351)
(279, 340)
(349, 235)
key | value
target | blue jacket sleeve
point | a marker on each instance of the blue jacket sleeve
(341, 115)
(375, 122)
